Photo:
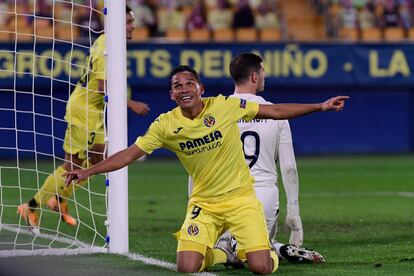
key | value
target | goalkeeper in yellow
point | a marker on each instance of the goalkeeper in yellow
(204, 135)
(84, 138)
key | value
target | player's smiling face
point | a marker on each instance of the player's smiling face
(186, 90)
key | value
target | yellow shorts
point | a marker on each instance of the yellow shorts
(78, 140)
(238, 211)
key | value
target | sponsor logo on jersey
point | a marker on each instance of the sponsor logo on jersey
(202, 144)
(193, 230)
(209, 121)
(243, 103)
(177, 130)
(205, 140)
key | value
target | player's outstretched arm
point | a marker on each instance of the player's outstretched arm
(114, 162)
(288, 111)
(138, 107)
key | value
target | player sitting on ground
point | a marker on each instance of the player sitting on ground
(203, 133)
(84, 137)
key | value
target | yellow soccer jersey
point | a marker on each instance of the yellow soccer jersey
(86, 104)
(208, 146)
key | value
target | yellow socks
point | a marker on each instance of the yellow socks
(275, 260)
(212, 257)
(54, 184)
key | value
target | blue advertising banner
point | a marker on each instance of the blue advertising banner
(379, 118)
(286, 64)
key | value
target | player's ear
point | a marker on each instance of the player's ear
(171, 95)
(253, 77)
(201, 89)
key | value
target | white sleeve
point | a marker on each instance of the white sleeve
(285, 135)
(289, 173)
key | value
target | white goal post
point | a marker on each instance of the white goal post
(117, 124)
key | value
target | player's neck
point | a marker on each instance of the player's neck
(245, 89)
(192, 112)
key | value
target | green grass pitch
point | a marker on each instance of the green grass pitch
(357, 211)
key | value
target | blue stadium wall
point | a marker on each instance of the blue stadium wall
(379, 78)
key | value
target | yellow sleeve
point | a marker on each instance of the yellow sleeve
(242, 109)
(152, 139)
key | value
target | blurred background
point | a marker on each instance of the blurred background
(312, 49)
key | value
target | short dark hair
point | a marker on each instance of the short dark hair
(128, 9)
(183, 68)
(243, 65)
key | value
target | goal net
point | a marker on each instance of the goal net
(43, 49)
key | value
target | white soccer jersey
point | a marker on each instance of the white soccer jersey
(261, 139)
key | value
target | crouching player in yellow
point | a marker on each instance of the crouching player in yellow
(84, 138)
(204, 135)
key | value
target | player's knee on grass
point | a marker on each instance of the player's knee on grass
(260, 262)
(189, 261)
(190, 256)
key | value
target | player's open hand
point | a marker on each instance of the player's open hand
(76, 175)
(336, 103)
(139, 107)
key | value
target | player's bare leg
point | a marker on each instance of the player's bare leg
(46, 195)
(194, 257)
(58, 203)
(189, 261)
(261, 262)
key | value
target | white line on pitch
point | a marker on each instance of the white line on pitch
(350, 194)
(22, 230)
(156, 262)
(84, 249)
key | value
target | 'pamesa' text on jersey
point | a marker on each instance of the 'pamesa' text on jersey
(202, 144)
